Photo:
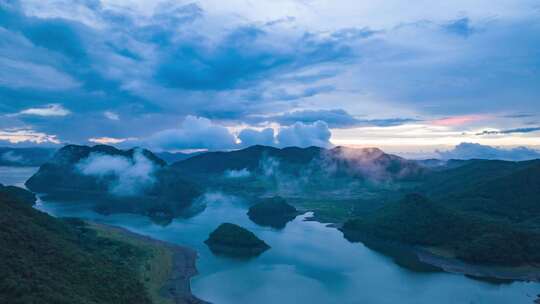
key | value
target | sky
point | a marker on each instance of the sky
(411, 77)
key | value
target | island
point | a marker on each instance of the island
(234, 241)
(273, 212)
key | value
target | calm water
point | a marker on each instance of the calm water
(308, 263)
(15, 176)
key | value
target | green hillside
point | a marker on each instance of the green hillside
(418, 221)
(48, 260)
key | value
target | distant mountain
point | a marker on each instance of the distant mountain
(249, 158)
(417, 220)
(368, 163)
(115, 180)
(172, 157)
(371, 163)
(31, 157)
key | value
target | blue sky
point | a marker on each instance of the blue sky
(410, 77)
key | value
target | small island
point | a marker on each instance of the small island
(273, 212)
(234, 241)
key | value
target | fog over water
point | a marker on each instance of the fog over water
(308, 262)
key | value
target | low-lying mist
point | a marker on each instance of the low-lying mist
(124, 176)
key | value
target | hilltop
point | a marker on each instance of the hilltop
(134, 181)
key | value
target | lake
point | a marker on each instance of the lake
(308, 262)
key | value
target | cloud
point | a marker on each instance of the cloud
(19, 75)
(107, 140)
(157, 62)
(458, 120)
(194, 133)
(201, 133)
(244, 57)
(336, 118)
(509, 131)
(305, 135)
(27, 136)
(298, 134)
(520, 115)
(461, 27)
(49, 110)
(102, 59)
(243, 173)
(250, 137)
(129, 177)
(474, 150)
(111, 115)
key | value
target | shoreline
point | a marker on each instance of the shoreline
(422, 259)
(525, 273)
(178, 285)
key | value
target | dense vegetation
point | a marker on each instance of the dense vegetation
(47, 260)
(13, 193)
(232, 240)
(507, 190)
(419, 221)
(273, 212)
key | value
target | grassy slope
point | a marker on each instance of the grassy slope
(155, 270)
(49, 260)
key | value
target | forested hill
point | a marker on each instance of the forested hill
(418, 221)
(48, 260)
